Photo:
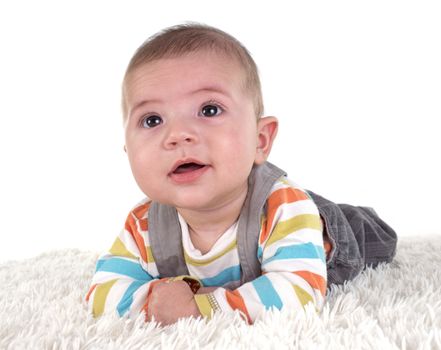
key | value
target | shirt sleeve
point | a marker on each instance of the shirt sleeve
(292, 257)
(125, 274)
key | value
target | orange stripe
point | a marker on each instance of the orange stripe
(236, 302)
(314, 280)
(326, 241)
(275, 200)
(140, 211)
(143, 224)
(328, 247)
(90, 292)
(133, 230)
(140, 214)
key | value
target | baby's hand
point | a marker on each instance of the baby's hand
(170, 301)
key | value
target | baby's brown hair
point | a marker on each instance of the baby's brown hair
(188, 38)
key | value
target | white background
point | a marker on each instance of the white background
(358, 82)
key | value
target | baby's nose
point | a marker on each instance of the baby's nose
(184, 139)
(179, 136)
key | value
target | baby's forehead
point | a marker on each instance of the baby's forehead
(194, 67)
(192, 71)
(200, 57)
(224, 53)
(172, 80)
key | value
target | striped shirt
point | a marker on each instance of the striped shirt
(290, 250)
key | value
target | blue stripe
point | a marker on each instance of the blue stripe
(228, 275)
(267, 293)
(259, 252)
(99, 263)
(298, 251)
(124, 267)
(127, 299)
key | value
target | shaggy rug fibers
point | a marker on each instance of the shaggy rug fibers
(396, 306)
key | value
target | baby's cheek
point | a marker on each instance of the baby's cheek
(238, 158)
(144, 175)
(238, 137)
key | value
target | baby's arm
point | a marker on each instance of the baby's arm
(293, 261)
(122, 282)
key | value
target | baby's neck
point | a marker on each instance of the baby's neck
(206, 226)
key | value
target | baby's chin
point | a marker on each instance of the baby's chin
(192, 205)
(191, 201)
(202, 198)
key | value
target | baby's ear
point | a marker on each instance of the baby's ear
(266, 133)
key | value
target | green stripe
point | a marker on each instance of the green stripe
(194, 262)
(150, 258)
(284, 228)
(203, 304)
(100, 297)
(303, 295)
(120, 249)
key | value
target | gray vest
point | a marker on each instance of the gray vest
(166, 237)
(359, 237)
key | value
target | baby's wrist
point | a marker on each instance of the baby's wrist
(192, 282)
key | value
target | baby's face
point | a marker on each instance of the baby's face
(191, 130)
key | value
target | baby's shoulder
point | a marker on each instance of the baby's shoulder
(140, 210)
(286, 195)
(286, 186)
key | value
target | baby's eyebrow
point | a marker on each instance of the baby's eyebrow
(142, 103)
(212, 88)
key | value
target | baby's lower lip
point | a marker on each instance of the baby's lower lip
(188, 176)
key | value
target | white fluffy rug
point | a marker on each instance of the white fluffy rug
(396, 306)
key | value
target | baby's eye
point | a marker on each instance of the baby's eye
(211, 110)
(151, 121)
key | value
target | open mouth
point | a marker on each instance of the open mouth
(187, 167)
(188, 171)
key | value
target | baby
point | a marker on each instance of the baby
(222, 229)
